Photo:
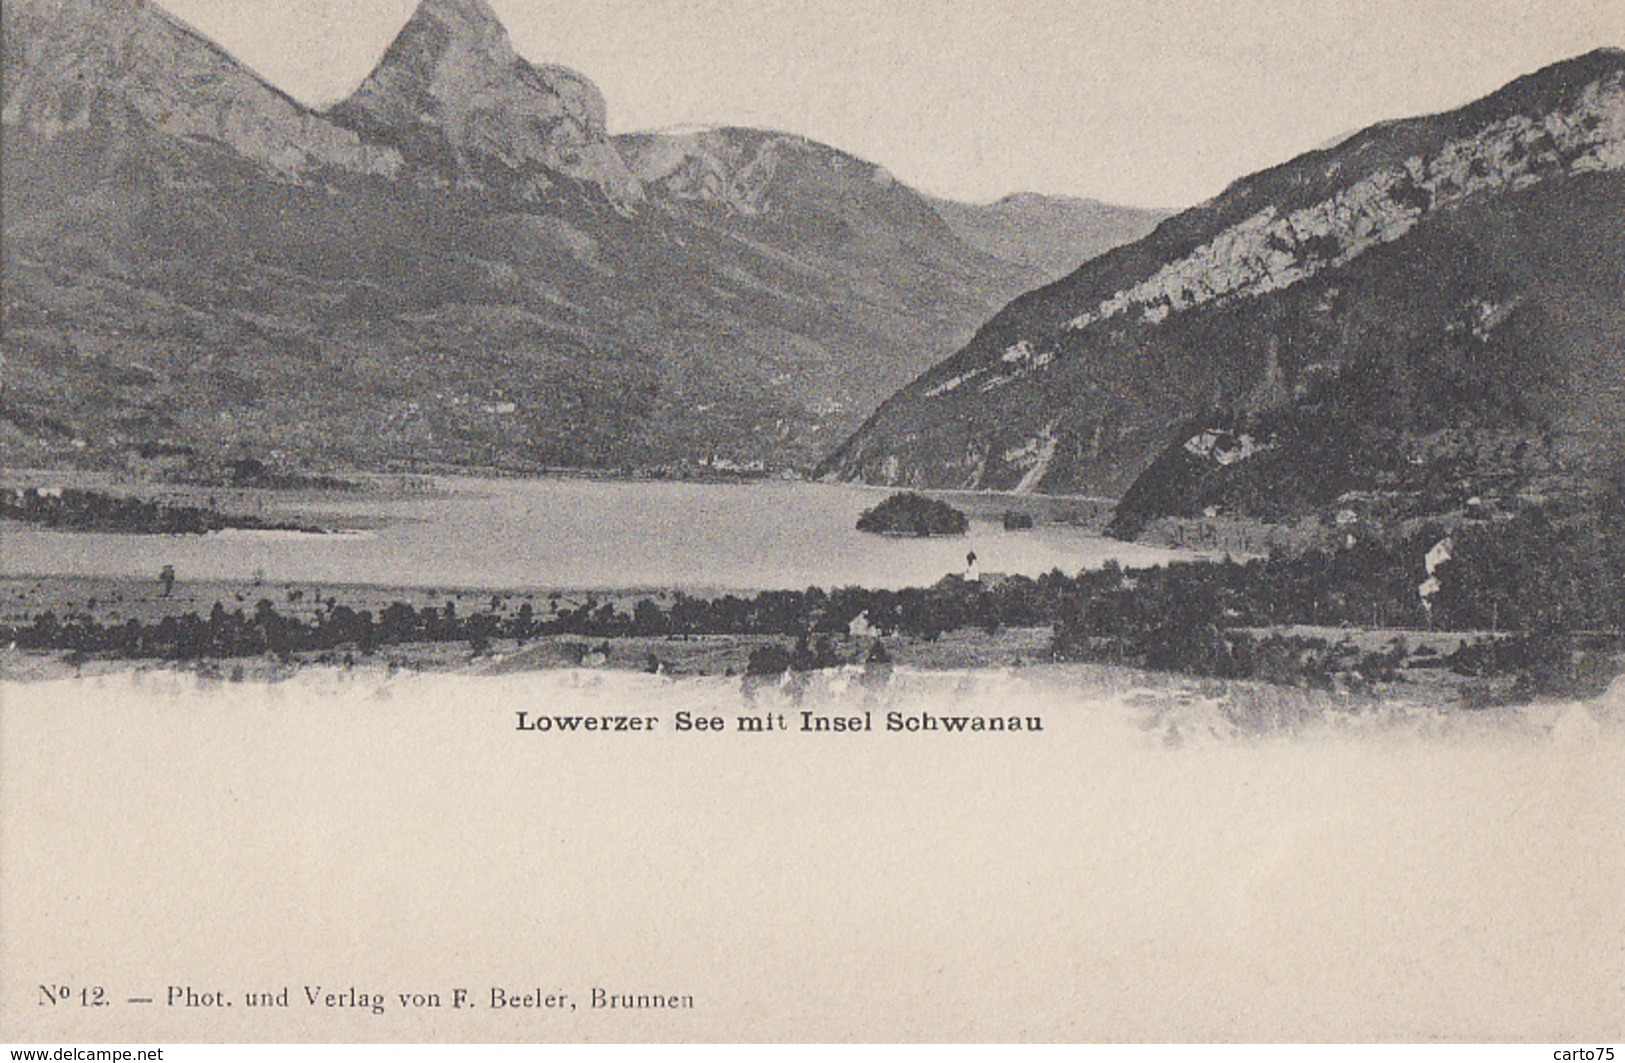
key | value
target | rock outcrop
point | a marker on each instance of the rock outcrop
(127, 68)
(453, 95)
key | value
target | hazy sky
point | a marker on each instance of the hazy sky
(1154, 102)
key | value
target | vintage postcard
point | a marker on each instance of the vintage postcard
(745, 520)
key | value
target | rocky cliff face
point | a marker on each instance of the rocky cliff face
(1412, 249)
(1279, 246)
(729, 168)
(126, 68)
(454, 97)
(808, 195)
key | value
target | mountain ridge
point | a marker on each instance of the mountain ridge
(198, 262)
(1078, 384)
(84, 59)
(1053, 234)
(451, 78)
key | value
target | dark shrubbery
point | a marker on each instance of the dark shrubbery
(1544, 665)
(72, 509)
(772, 659)
(907, 513)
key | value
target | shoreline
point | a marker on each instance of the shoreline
(62, 623)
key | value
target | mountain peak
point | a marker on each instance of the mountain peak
(470, 12)
(81, 68)
(452, 94)
(470, 25)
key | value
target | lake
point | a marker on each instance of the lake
(576, 533)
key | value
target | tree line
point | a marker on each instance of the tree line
(77, 509)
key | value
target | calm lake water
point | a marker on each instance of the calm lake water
(578, 534)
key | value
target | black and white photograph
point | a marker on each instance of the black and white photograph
(739, 521)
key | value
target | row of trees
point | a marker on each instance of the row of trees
(76, 509)
(921, 613)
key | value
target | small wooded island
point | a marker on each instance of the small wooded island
(907, 513)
